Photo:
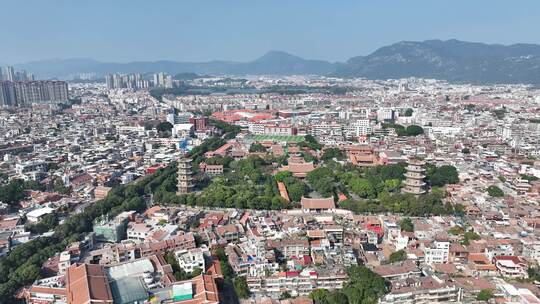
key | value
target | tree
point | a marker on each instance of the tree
(408, 112)
(440, 176)
(406, 224)
(392, 185)
(285, 295)
(164, 126)
(456, 230)
(308, 157)
(15, 191)
(530, 178)
(47, 223)
(311, 142)
(362, 187)
(363, 285)
(60, 188)
(296, 189)
(332, 153)
(484, 295)
(178, 272)
(398, 256)
(256, 147)
(337, 297)
(225, 161)
(241, 288)
(226, 268)
(411, 130)
(534, 273)
(495, 191)
(322, 180)
(319, 296)
(470, 235)
(278, 203)
(414, 130)
(283, 175)
(310, 139)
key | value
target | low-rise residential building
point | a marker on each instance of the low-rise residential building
(437, 252)
(191, 259)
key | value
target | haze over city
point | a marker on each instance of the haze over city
(122, 31)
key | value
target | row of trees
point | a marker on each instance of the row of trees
(22, 265)
(230, 282)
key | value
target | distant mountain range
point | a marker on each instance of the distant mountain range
(452, 60)
(272, 63)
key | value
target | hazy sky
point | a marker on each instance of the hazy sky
(200, 30)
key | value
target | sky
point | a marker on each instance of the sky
(203, 30)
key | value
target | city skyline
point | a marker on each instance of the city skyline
(198, 31)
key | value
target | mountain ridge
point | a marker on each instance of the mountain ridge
(453, 60)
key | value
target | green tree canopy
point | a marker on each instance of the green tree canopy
(440, 176)
(322, 180)
(495, 191)
(406, 224)
(256, 147)
(164, 126)
(398, 256)
(241, 288)
(484, 295)
(408, 112)
(332, 153)
(283, 175)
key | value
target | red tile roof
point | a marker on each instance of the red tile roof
(318, 203)
(87, 283)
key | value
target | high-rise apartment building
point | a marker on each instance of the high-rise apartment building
(168, 82)
(8, 73)
(20, 93)
(109, 81)
(162, 80)
(7, 94)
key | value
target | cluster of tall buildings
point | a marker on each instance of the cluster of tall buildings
(21, 93)
(162, 80)
(8, 73)
(128, 81)
(136, 81)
